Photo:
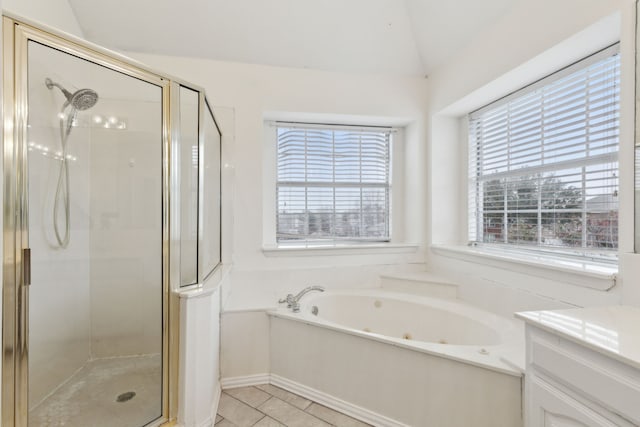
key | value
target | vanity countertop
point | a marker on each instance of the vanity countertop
(611, 330)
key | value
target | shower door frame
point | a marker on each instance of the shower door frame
(16, 269)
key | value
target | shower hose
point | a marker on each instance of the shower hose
(61, 200)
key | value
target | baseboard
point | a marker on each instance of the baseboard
(318, 396)
(332, 402)
(235, 382)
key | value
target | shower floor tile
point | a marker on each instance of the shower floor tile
(89, 397)
(275, 407)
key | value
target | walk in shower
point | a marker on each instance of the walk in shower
(107, 211)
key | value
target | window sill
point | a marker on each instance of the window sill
(581, 273)
(328, 250)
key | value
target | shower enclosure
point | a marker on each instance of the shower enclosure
(111, 204)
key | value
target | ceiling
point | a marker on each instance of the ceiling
(401, 37)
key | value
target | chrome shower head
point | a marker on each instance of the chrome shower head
(81, 100)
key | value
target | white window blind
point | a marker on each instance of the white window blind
(543, 163)
(332, 183)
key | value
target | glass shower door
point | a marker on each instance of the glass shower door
(95, 229)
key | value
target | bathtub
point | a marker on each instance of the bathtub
(395, 359)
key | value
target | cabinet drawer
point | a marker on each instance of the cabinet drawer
(550, 407)
(611, 384)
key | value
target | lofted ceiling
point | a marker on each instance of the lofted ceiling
(402, 37)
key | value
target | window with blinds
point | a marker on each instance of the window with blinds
(332, 183)
(543, 163)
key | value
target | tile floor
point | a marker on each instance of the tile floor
(270, 406)
(89, 397)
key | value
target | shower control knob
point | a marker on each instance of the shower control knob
(288, 299)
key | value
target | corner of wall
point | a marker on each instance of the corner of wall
(57, 14)
(630, 278)
(461, 86)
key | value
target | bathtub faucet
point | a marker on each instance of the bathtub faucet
(293, 301)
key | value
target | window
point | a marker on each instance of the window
(332, 183)
(544, 163)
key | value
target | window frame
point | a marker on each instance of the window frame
(474, 214)
(398, 244)
(332, 239)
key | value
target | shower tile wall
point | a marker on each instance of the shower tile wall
(126, 214)
(60, 293)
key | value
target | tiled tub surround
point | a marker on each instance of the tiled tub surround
(390, 378)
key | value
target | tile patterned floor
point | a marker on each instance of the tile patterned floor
(270, 406)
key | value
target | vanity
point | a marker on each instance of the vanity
(582, 367)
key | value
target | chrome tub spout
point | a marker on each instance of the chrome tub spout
(293, 301)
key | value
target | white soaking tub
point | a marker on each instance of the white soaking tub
(400, 359)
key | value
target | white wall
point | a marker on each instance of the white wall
(125, 252)
(255, 92)
(526, 31)
(200, 353)
(54, 13)
(530, 41)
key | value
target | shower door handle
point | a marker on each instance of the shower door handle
(26, 266)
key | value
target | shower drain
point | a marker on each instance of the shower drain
(125, 396)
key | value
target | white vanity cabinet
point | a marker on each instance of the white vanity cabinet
(582, 367)
(551, 407)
